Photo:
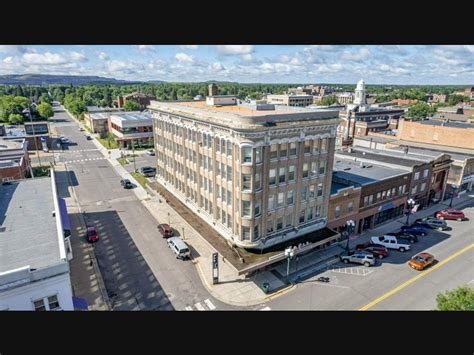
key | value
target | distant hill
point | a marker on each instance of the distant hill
(40, 79)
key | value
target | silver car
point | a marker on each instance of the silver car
(433, 223)
(364, 258)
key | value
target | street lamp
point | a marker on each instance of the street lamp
(348, 230)
(452, 195)
(289, 253)
(411, 202)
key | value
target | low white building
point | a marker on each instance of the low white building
(34, 267)
(131, 126)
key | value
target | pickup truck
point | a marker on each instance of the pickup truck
(390, 242)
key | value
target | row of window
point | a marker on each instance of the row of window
(386, 194)
(285, 150)
(425, 174)
(337, 210)
(282, 222)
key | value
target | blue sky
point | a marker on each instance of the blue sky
(376, 64)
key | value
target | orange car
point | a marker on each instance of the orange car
(421, 261)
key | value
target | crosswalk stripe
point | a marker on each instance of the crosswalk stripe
(266, 309)
(209, 304)
(199, 307)
(189, 308)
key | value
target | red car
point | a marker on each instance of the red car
(376, 250)
(450, 213)
(92, 235)
(165, 230)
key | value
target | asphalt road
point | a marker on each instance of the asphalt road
(391, 284)
(139, 271)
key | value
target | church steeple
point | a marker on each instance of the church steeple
(360, 93)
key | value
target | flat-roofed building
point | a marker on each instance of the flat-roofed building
(128, 127)
(14, 159)
(34, 267)
(258, 176)
(290, 100)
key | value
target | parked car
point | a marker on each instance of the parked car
(88, 138)
(150, 152)
(165, 230)
(148, 171)
(450, 213)
(411, 238)
(81, 129)
(179, 247)
(359, 257)
(92, 235)
(390, 242)
(433, 223)
(415, 229)
(376, 250)
(421, 261)
(64, 140)
(127, 184)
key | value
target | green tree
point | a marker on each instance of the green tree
(131, 105)
(455, 99)
(110, 139)
(44, 97)
(45, 110)
(420, 110)
(15, 118)
(328, 100)
(459, 299)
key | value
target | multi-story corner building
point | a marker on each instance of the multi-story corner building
(290, 100)
(343, 205)
(260, 175)
(131, 128)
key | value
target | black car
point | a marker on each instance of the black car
(148, 171)
(127, 184)
(89, 138)
(412, 238)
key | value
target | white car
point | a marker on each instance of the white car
(150, 152)
(390, 242)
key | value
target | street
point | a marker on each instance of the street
(139, 271)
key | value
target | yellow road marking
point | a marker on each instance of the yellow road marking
(413, 279)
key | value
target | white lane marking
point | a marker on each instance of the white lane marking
(209, 304)
(266, 309)
(199, 307)
(351, 270)
(188, 308)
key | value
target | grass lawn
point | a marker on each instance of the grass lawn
(122, 161)
(140, 178)
(105, 143)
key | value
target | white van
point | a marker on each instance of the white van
(179, 248)
(390, 242)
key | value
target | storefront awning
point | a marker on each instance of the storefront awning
(387, 206)
(79, 304)
(64, 215)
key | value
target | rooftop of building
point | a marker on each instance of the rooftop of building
(392, 157)
(352, 171)
(435, 148)
(11, 144)
(303, 96)
(96, 109)
(244, 115)
(453, 116)
(132, 116)
(426, 153)
(376, 139)
(450, 124)
(336, 186)
(28, 233)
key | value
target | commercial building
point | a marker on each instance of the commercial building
(343, 205)
(136, 128)
(97, 122)
(14, 159)
(35, 133)
(260, 175)
(34, 267)
(290, 100)
(384, 191)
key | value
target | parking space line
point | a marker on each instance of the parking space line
(351, 270)
(188, 308)
(199, 306)
(209, 304)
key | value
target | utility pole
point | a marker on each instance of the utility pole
(133, 154)
(36, 143)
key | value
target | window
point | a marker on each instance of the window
(210, 186)
(291, 173)
(404, 188)
(271, 202)
(312, 189)
(417, 175)
(292, 149)
(349, 207)
(305, 170)
(313, 168)
(270, 227)
(301, 216)
(309, 213)
(304, 193)
(307, 147)
(425, 173)
(247, 154)
(422, 187)
(289, 220)
(223, 170)
(229, 149)
(39, 305)
(280, 199)
(206, 204)
(210, 208)
(379, 195)
(237, 205)
(366, 200)
(223, 145)
(257, 182)
(256, 235)
(224, 218)
(389, 194)
(337, 211)
(400, 188)
(322, 167)
(257, 207)
(205, 184)
(229, 173)
(218, 169)
(324, 144)
(320, 189)
(318, 211)
(223, 193)
(53, 302)
(246, 182)
(289, 197)
(258, 155)
(246, 205)
(414, 189)
(284, 150)
(394, 190)
(272, 176)
(383, 194)
(46, 304)
(245, 233)
(371, 199)
(279, 223)
(282, 175)
(218, 145)
(229, 198)
(316, 146)
(273, 151)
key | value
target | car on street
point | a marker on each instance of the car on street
(450, 213)
(148, 171)
(391, 242)
(358, 257)
(64, 140)
(92, 235)
(411, 238)
(88, 138)
(150, 152)
(415, 229)
(421, 261)
(378, 251)
(127, 184)
(179, 247)
(81, 129)
(165, 230)
(433, 223)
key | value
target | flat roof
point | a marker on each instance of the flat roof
(131, 116)
(99, 116)
(11, 144)
(28, 233)
(390, 157)
(446, 124)
(352, 172)
(376, 139)
(336, 186)
(428, 152)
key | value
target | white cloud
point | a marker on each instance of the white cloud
(189, 46)
(77, 57)
(103, 56)
(13, 49)
(145, 47)
(217, 67)
(46, 58)
(235, 49)
(184, 58)
(360, 54)
(247, 57)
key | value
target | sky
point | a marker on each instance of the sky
(342, 64)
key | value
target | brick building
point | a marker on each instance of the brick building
(14, 159)
(343, 205)
(142, 99)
